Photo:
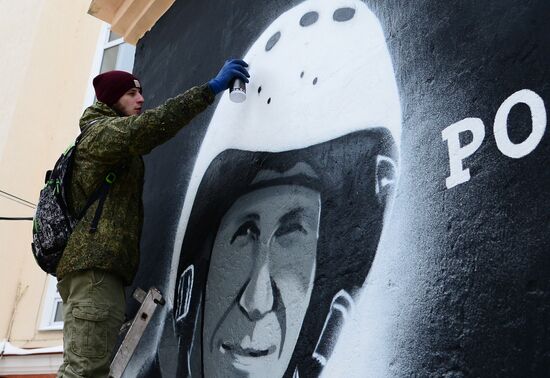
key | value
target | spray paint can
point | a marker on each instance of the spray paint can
(237, 91)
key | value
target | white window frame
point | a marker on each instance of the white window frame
(51, 300)
(103, 44)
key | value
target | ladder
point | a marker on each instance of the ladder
(149, 302)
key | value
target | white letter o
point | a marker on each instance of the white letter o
(538, 118)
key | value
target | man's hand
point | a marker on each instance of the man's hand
(231, 70)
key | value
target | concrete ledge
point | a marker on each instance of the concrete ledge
(130, 18)
(18, 361)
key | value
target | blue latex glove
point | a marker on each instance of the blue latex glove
(231, 70)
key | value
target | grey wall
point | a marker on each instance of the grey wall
(459, 282)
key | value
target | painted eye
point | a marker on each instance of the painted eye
(289, 228)
(247, 229)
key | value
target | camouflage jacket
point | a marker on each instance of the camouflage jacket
(110, 141)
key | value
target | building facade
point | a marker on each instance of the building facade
(51, 51)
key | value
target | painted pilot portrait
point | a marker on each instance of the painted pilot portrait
(287, 200)
(281, 252)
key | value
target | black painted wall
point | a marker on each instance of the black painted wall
(472, 262)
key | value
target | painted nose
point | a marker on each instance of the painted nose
(257, 298)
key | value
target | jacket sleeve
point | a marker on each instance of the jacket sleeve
(112, 139)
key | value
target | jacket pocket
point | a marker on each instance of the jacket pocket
(90, 330)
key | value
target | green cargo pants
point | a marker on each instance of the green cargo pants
(93, 312)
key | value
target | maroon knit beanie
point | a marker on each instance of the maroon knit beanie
(110, 86)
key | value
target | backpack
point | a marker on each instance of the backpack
(53, 223)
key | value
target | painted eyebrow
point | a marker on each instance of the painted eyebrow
(292, 215)
(250, 216)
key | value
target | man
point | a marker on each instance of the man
(102, 254)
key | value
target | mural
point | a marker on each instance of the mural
(377, 207)
(271, 286)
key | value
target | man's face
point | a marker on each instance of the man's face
(260, 281)
(130, 103)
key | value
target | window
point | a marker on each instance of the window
(117, 54)
(112, 54)
(52, 309)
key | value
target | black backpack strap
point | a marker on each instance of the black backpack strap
(101, 195)
(103, 191)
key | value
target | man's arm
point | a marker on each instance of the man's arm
(114, 138)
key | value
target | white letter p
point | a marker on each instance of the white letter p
(457, 153)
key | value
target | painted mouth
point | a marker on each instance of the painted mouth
(246, 352)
